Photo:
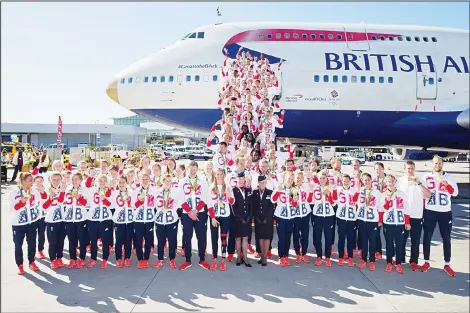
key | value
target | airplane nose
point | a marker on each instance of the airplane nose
(112, 92)
(464, 119)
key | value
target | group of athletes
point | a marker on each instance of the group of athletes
(125, 206)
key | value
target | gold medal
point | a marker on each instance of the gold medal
(325, 190)
(410, 181)
(102, 193)
(74, 193)
(165, 211)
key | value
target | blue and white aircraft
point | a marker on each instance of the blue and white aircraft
(341, 84)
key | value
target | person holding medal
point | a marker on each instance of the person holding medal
(156, 178)
(368, 213)
(396, 219)
(75, 221)
(223, 159)
(438, 210)
(219, 213)
(166, 222)
(123, 220)
(192, 192)
(38, 187)
(323, 213)
(415, 192)
(24, 219)
(100, 219)
(144, 202)
(379, 184)
(54, 207)
(302, 221)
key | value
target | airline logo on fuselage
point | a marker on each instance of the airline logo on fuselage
(207, 65)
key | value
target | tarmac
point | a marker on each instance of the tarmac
(299, 288)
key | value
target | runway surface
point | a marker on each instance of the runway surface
(299, 288)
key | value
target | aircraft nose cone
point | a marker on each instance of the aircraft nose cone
(464, 119)
(112, 91)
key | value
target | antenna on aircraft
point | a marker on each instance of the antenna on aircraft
(219, 15)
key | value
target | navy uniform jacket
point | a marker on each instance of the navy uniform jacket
(263, 209)
(241, 209)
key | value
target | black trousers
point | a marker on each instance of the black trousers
(224, 230)
(415, 234)
(368, 231)
(15, 173)
(323, 226)
(143, 231)
(19, 233)
(124, 236)
(300, 235)
(394, 242)
(56, 237)
(430, 219)
(101, 230)
(200, 227)
(346, 231)
(4, 173)
(167, 232)
(41, 233)
(77, 233)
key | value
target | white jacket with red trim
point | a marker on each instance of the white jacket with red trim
(167, 215)
(346, 200)
(395, 209)
(322, 203)
(121, 202)
(218, 205)
(24, 213)
(75, 208)
(369, 212)
(189, 199)
(144, 209)
(440, 200)
(100, 209)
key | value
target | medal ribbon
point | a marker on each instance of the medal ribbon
(194, 186)
(367, 194)
(166, 199)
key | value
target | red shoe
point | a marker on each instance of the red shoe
(71, 265)
(172, 264)
(414, 266)
(127, 263)
(41, 255)
(257, 255)
(371, 266)
(251, 250)
(306, 259)
(54, 265)
(145, 263)
(425, 267)
(60, 263)
(214, 265)
(104, 264)
(319, 261)
(158, 264)
(20, 269)
(388, 268)
(449, 270)
(230, 257)
(362, 264)
(378, 256)
(223, 267)
(288, 263)
(34, 267)
(340, 262)
(350, 262)
(119, 263)
(140, 264)
(91, 263)
(80, 263)
(182, 253)
(328, 262)
(282, 262)
(269, 254)
(298, 259)
(399, 269)
(185, 265)
(204, 265)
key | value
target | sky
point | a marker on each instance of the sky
(57, 58)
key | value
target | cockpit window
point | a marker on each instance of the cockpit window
(200, 35)
(193, 35)
(185, 36)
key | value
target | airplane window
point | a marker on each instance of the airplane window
(325, 78)
(146, 79)
(304, 36)
(286, 35)
(316, 78)
(123, 80)
(162, 79)
(431, 81)
(345, 79)
(296, 36)
(129, 80)
(353, 79)
(187, 35)
(335, 78)
(188, 78)
(260, 36)
(339, 37)
(179, 78)
(270, 36)
(363, 79)
(400, 38)
(391, 38)
(434, 39)
(154, 79)
(390, 80)
(313, 36)
(196, 78)
(330, 36)
(170, 78)
(408, 38)
(381, 80)
(200, 35)
(322, 36)
(372, 79)
(278, 36)
(137, 80)
(193, 35)
(374, 37)
(206, 78)
(382, 37)
(416, 38)
(425, 39)
(214, 78)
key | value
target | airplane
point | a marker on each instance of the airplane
(405, 87)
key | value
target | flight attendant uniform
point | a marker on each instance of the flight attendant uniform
(241, 212)
(219, 208)
(24, 217)
(123, 218)
(263, 213)
(55, 228)
(323, 222)
(75, 221)
(167, 221)
(144, 220)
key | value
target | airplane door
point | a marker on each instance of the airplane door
(356, 37)
(426, 85)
